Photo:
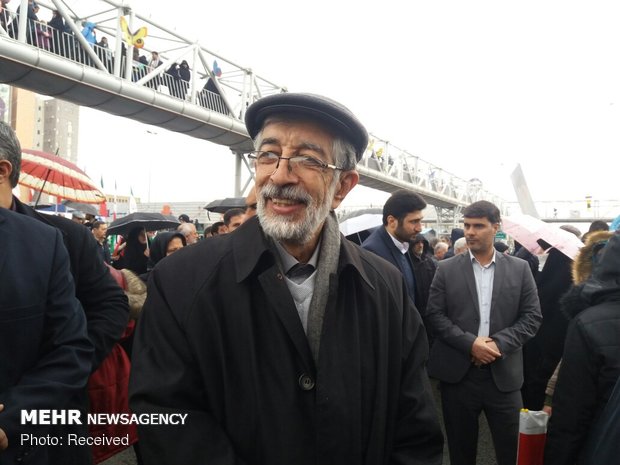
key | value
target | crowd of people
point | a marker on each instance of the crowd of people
(284, 343)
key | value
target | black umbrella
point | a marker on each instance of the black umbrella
(221, 205)
(144, 220)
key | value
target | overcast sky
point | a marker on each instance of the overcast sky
(474, 87)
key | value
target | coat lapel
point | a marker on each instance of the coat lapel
(498, 279)
(470, 279)
(278, 295)
(252, 256)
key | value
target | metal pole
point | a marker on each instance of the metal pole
(238, 157)
(118, 52)
(22, 21)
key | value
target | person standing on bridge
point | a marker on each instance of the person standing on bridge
(284, 342)
(483, 307)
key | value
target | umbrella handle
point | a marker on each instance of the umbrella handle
(42, 187)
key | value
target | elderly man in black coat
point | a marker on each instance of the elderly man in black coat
(46, 355)
(103, 301)
(282, 341)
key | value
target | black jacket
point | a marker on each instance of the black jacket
(220, 339)
(543, 352)
(424, 268)
(590, 362)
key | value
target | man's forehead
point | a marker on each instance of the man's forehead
(415, 214)
(298, 135)
(476, 220)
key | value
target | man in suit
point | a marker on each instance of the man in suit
(45, 352)
(402, 222)
(103, 302)
(483, 307)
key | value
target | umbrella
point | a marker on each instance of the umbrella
(82, 207)
(56, 176)
(528, 230)
(147, 221)
(221, 205)
(360, 220)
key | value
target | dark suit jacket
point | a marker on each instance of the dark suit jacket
(380, 243)
(453, 315)
(45, 352)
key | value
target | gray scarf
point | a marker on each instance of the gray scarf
(327, 265)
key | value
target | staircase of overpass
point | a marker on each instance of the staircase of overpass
(206, 100)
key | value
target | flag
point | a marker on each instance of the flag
(115, 203)
(103, 207)
(133, 206)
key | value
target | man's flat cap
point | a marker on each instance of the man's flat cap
(334, 115)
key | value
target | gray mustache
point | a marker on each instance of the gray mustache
(294, 193)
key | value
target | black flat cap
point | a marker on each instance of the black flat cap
(335, 116)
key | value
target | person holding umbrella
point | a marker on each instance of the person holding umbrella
(134, 228)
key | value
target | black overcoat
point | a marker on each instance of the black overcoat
(220, 339)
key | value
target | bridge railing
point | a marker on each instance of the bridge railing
(207, 79)
(393, 161)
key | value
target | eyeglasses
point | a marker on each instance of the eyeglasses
(298, 163)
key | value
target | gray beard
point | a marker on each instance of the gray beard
(285, 229)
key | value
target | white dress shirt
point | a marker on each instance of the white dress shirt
(484, 276)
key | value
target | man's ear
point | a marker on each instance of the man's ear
(348, 180)
(6, 168)
(6, 190)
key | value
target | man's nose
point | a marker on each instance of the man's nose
(283, 174)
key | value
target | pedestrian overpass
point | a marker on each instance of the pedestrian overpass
(206, 99)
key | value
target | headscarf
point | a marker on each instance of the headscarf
(134, 258)
(159, 247)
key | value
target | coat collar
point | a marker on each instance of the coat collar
(24, 209)
(250, 246)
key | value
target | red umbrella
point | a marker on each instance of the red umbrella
(56, 176)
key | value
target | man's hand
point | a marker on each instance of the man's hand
(484, 350)
(4, 441)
